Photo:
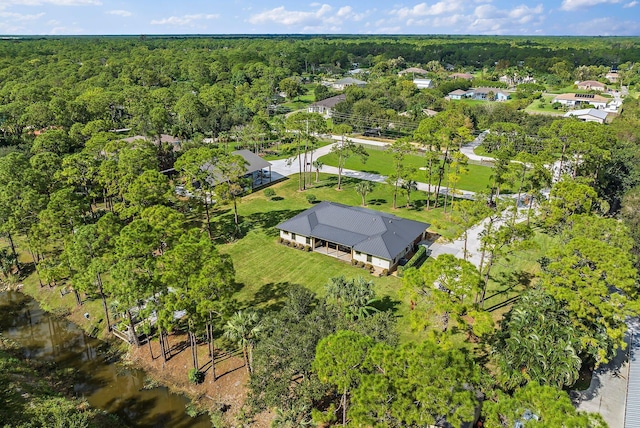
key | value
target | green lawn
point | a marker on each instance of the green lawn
(265, 269)
(380, 162)
(534, 107)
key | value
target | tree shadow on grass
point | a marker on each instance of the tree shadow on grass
(271, 296)
(387, 304)
(377, 201)
(268, 220)
(507, 282)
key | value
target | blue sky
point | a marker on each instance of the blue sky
(543, 17)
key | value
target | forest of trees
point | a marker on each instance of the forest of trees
(84, 210)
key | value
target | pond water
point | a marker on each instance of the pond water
(104, 384)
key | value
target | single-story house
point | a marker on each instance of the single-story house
(574, 100)
(413, 70)
(458, 94)
(354, 233)
(487, 93)
(465, 76)
(588, 115)
(481, 94)
(340, 85)
(423, 83)
(258, 170)
(592, 85)
(612, 76)
(324, 107)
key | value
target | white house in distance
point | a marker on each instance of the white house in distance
(481, 94)
(354, 233)
(575, 100)
(612, 76)
(588, 115)
(423, 83)
(458, 94)
(591, 85)
(340, 85)
(325, 107)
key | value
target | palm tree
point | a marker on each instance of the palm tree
(318, 166)
(363, 188)
(242, 328)
(409, 186)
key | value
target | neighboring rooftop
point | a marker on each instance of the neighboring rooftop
(349, 81)
(461, 76)
(597, 113)
(414, 70)
(331, 101)
(164, 138)
(372, 232)
(582, 98)
(591, 83)
(254, 162)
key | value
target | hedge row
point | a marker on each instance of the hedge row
(416, 261)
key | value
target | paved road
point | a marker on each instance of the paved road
(287, 167)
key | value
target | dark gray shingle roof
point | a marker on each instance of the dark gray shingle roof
(331, 101)
(254, 162)
(371, 232)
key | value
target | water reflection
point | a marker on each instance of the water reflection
(104, 385)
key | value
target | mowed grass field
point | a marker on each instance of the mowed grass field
(381, 162)
(266, 270)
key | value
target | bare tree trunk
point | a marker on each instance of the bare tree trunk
(206, 210)
(13, 251)
(344, 407)
(104, 302)
(133, 329)
(150, 348)
(246, 359)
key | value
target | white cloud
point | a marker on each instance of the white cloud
(280, 15)
(183, 20)
(607, 26)
(21, 17)
(423, 9)
(52, 2)
(631, 4)
(489, 19)
(579, 4)
(119, 12)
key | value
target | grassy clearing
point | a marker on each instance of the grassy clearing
(543, 105)
(380, 162)
(511, 276)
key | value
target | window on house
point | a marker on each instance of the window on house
(308, 241)
(369, 258)
(293, 236)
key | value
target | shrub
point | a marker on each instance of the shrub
(307, 248)
(369, 267)
(354, 262)
(280, 240)
(360, 264)
(385, 272)
(269, 192)
(195, 376)
(311, 198)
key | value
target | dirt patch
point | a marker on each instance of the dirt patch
(227, 392)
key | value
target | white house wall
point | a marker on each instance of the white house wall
(300, 239)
